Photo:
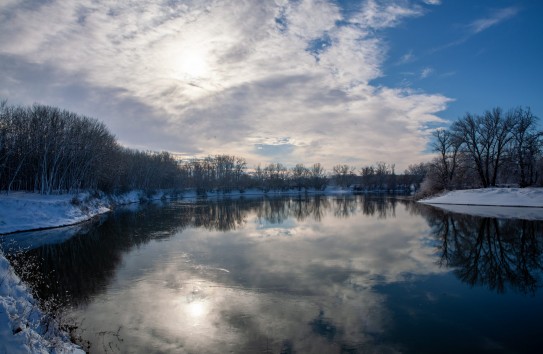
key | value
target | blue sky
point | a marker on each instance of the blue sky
(305, 81)
(480, 53)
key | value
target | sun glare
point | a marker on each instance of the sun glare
(197, 309)
(193, 65)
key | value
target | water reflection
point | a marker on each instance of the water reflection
(497, 253)
(83, 265)
(302, 274)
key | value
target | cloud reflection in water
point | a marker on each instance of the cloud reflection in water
(282, 275)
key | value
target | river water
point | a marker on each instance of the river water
(350, 274)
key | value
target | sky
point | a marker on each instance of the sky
(345, 81)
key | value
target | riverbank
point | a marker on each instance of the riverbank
(24, 328)
(508, 203)
(502, 197)
(22, 211)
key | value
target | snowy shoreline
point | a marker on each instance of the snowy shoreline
(22, 329)
(23, 211)
(516, 203)
(503, 197)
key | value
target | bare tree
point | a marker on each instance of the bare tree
(526, 146)
(447, 145)
(318, 176)
(299, 175)
(343, 174)
(485, 139)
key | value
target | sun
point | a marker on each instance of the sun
(193, 65)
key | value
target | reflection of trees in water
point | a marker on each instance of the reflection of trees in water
(345, 206)
(224, 216)
(273, 210)
(302, 207)
(497, 253)
(380, 206)
(84, 264)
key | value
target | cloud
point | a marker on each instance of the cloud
(426, 72)
(432, 2)
(304, 266)
(495, 18)
(406, 58)
(387, 14)
(208, 77)
(480, 25)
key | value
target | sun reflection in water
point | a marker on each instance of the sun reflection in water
(197, 309)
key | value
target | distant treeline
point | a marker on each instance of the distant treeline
(49, 150)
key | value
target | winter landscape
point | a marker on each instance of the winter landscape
(296, 176)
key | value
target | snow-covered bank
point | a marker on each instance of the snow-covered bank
(511, 197)
(21, 327)
(21, 211)
(25, 211)
(517, 203)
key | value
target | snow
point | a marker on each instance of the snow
(24, 211)
(518, 203)
(521, 197)
(21, 329)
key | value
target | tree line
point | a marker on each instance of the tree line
(48, 150)
(487, 150)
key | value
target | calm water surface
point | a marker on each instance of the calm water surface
(347, 274)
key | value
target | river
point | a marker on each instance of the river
(342, 274)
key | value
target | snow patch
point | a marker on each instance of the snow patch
(26, 211)
(512, 197)
(516, 203)
(21, 327)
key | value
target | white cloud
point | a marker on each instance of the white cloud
(214, 77)
(375, 14)
(492, 20)
(406, 58)
(426, 72)
(481, 25)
